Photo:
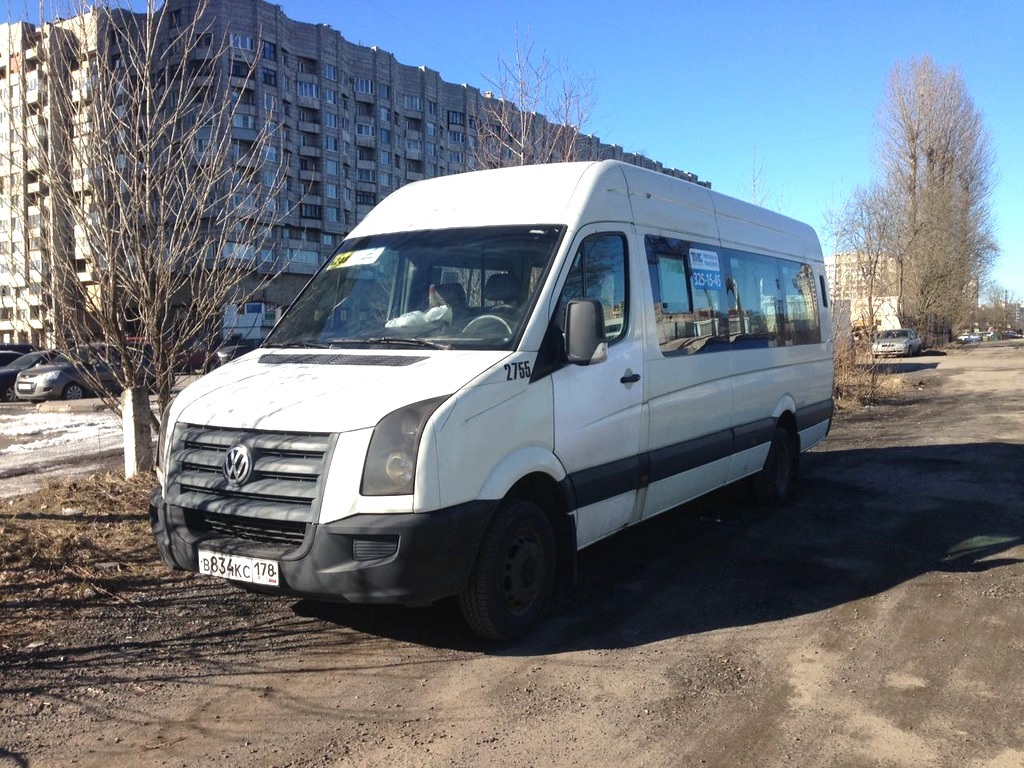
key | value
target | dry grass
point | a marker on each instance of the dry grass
(861, 381)
(72, 541)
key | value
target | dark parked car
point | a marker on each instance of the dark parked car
(9, 373)
(9, 356)
(21, 349)
(70, 377)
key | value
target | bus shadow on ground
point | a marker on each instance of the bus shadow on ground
(862, 521)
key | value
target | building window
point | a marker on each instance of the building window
(413, 102)
(331, 143)
(309, 211)
(307, 66)
(456, 157)
(366, 174)
(365, 129)
(333, 167)
(385, 136)
(366, 198)
(269, 51)
(331, 190)
(363, 85)
(333, 214)
(456, 137)
(456, 118)
(268, 76)
(331, 96)
(308, 90)
(384, 91)
(243, 42)
(330, 72)
(331, 119)
(385, 157)
(431, 129)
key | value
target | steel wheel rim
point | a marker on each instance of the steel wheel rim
(523, 572)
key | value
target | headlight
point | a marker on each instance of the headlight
(48, 376)
(390, 468)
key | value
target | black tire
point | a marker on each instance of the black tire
(73, 391)
(513, 580)
(773, 485)
(8, 395)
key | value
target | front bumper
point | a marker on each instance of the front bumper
(406, 559)
(891, 352)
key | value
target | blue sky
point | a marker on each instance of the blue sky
(723, 89)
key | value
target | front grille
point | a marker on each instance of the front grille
(280, 532)
(279, 498)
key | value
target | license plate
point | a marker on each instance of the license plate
(237, 568)
(23, 387)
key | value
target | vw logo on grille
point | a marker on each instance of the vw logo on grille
(237, 465)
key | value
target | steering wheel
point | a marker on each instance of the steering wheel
(485, 325)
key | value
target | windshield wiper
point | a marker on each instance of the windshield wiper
(397, 340)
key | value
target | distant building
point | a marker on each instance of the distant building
(864, 292)
(358, 125)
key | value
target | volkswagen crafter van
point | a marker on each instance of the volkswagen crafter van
(495, 370)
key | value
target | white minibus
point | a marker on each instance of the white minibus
(495, 370)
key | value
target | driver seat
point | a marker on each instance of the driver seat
(502, 288)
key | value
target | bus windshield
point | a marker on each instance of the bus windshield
(468, 288)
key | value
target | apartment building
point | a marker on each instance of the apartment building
(357, 124)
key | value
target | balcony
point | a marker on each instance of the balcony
(308, 127)
(238, 82)
(311, 174)
(310, 151)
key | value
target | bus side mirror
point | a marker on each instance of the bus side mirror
(585, 341)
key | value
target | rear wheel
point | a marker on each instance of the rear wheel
(513, 580)
(773, 485)
(8, 394)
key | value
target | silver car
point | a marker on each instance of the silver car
(902, 342)
(71, 377)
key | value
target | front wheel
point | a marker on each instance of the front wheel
(74, 391)
(513, 580)
(773, 485)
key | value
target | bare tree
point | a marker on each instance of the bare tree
(534, 114)
(937, 164)
(159, 193)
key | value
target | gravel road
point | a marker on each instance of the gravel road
(878, 620)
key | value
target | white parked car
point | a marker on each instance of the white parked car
(903, 342)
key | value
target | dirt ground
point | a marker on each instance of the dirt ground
(878, 620)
